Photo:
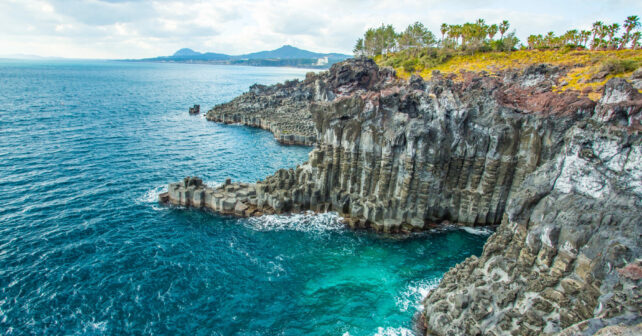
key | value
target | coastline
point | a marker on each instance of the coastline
(284, 139)
(215, 63)
(396, 156)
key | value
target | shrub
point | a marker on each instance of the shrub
(410, 65)
(616, 66)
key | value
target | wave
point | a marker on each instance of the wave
(415, 292)
(308, 221)
(151, 196)
(390, 331)
(480, 231)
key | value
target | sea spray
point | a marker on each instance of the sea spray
(305, 222)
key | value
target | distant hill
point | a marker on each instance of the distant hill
(186, 52)
(286, 55)
(285, 52)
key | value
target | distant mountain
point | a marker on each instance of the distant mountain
(286, 52)
(185, 52)
(286, 55)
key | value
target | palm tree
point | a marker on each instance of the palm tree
(444, 29)
(532, 39)
(503, 28)
(632, 22)
(597, 27)
(454, 32)
(571, 36)
(586, 34)
(635, 37)
(549, 40)
(612, 30)
(492, 31)
(604, 30)
(467, 32)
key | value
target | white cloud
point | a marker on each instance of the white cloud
(146, 28)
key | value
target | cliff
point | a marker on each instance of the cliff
(283, 109)
(559, 173)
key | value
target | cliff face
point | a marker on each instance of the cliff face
(284, 109)
(566, 255)
(560, 173)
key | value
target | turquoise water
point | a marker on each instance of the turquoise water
(85, 148)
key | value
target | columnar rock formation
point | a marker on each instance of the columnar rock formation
(566, 255)
(560, 173)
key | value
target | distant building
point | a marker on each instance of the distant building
(322, 61)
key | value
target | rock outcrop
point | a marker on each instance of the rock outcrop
(284, 109)
(237, 199)
(566, 256)
(560, 174)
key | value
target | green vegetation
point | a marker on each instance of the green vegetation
(602, 37)
(384, 40)
(471, 37)
(615, 66)
(589, 70)
(417, 47)
(417, 50)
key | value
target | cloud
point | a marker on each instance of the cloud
(102, 13)
(146, 28)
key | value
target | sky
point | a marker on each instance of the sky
(116, 29)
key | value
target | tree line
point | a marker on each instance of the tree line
(600, 37)
(479, 37)
(470, 36)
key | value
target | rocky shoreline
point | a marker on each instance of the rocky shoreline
(559, 173)
(282, 109)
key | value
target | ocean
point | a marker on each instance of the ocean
(85, 249)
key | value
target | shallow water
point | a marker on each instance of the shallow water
(85, 149)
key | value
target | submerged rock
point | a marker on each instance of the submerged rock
(560, 174)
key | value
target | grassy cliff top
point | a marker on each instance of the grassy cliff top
(587, 73)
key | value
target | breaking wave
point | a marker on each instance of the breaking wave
(390, 331)
(308, 221)
(415, 292)
(480, 231)
(151, 196)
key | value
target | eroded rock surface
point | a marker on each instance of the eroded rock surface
(566, 256)
(284, 109)
(560, 174)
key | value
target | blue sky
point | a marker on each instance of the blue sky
(146, 28)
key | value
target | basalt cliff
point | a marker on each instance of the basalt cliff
(559, 175)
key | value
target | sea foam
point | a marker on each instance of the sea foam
(308, 221)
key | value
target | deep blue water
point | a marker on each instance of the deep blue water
(85, 148)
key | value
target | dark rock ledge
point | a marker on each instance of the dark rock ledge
(560, 174)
